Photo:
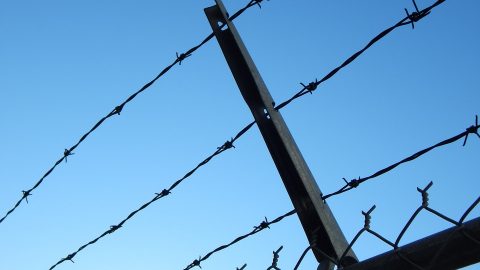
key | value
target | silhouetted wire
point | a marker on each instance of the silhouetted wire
(263, 225)
(228, 144)
(304, 253)
(395, 245)
(356, 182)
(409, 19)
(118, 109)
(165, 192)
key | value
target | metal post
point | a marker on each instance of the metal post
(318, 222)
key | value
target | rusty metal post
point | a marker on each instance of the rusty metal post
(318, 222)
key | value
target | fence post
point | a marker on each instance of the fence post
(318, 222)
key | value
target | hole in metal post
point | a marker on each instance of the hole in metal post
(267, 115)
(221, 25)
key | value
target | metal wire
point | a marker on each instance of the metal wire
(263, 225)
(118, 109)
(354, 183)
(165, 192)
(395, 245)
(309, 88)
(229, 144)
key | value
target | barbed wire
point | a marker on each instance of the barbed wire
(354, 183)
(265, 224)
(395, 244)
(229, 144)
(409, 19)
(118, 109)
(165, 192)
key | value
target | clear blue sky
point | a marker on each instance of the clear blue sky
(65, 64)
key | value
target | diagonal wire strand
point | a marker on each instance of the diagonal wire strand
(313, 85)
(349, 185)
(118, 109)
(264, 225)
(165, 192)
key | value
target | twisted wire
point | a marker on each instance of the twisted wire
(262, 226)
(118, 109)
(311, 87)
(395, 244)
(165, 192)
(354, 183)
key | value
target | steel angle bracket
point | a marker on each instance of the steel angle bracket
(318, 222)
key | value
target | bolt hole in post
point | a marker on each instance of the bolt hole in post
(267, 115)
(221, 25)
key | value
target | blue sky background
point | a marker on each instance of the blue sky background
(65, 64)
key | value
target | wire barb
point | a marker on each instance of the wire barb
(263, 225)
(425, 194)
(311, 86)
(67, 153)
(276, 256)
(164, 193)
(181, 57)
(352, 183)
(473, 129)
(113, 228)
(118, 109)
(368, 217)
(26, 193)
(227, 145)
(417, 15)
(70, 257)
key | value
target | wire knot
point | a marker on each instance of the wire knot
(227, 145)
(163, 193)
(113, 228)
(425, 194)
(181, 57)
(70, 257)
(197, 262)
(352, 183)
(368, 217)
(118, 109)
(311, 86)
(472, 130)
(275, 259)
(417, 15)
(67, 153)
(263, 225)
(26, 194)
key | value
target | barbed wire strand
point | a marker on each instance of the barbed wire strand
(229, 144)
(354, 183)
(165, 192)
(306, 88)
(256, 229)
(409, 19)
(118, 109)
